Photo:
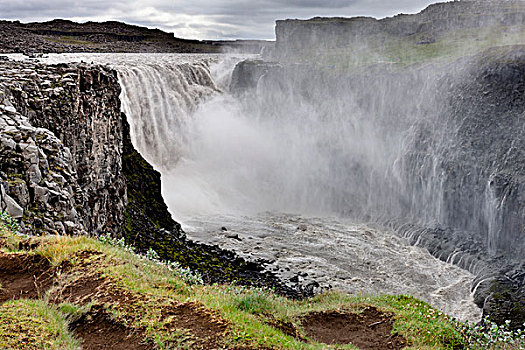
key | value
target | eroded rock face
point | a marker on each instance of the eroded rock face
(38, 181)
(62, 142)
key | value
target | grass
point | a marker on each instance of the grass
(70, 40)
(33, 324)
(149, 287)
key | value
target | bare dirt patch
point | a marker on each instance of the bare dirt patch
(78, 291)
(199, 328)
(99, 331)
(204, 328)
(370, 329)
(287, 328)
(24, 276)
(85, 284)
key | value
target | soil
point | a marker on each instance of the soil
(83, 288)
(81, 291)
(287, 328)
(370, 329)
(24, 276)
(99, 331)
(204, 328)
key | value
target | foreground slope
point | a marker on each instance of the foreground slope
(100, 294)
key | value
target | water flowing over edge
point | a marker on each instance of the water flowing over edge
(209, 153)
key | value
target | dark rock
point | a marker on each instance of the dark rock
(302, 228)
(233, 236)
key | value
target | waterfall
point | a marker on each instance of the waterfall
(161, 97)
(406, 146)
(427, 146)
(288, 163)
(274, 150)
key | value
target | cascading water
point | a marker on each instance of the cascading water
(167, 94)
(245, 158)
(306, 141)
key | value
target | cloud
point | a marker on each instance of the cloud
(204, 19)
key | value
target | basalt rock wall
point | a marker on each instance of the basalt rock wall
(68, 165)
(295, 38)
(79, 106)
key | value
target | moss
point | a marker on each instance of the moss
(507, 303)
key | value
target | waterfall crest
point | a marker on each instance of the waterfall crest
(160, 97)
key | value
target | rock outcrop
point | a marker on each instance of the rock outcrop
(69, 178)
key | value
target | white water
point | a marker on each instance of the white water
(224, 163)
(336, 253)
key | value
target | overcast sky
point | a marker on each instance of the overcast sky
(204, 19)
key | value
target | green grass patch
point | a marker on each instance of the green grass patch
(73, 40)
(32, 324)
(146, 292)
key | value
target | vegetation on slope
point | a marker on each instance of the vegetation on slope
(106, 295)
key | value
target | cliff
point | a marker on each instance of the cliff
(72, 178)
(443, 29)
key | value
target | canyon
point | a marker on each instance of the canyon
(426, 143)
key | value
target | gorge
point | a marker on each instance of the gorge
(322, 157)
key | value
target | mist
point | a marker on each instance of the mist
(404, 124)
